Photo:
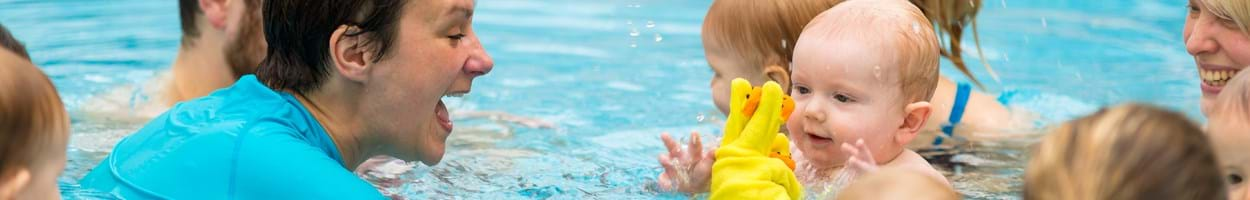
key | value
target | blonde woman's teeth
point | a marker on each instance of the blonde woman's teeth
(1216, 77)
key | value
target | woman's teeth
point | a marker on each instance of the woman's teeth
(1216, 78)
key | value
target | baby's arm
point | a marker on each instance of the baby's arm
(687, 170)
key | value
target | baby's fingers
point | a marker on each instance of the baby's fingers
(667, 162)
(695, 147)
(674, 149)
(866, 154)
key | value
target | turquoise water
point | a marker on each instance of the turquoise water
(609, 93)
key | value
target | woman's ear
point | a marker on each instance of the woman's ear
(349, 52)
(12, 185)
(914, 117)
(780, 75)
(215, 12)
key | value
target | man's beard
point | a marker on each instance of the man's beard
(245, 52)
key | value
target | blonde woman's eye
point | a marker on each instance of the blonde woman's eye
(1229, 23)
(1234, 179)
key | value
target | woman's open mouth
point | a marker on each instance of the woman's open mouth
(444, 119)
(1214, 78)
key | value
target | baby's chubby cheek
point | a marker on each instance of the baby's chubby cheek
(820, 155)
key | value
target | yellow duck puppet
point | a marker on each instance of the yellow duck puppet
(753, 161)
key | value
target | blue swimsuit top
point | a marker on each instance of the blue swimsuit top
(957, 112)
(242, 142)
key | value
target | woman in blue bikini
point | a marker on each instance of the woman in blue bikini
(960, 113)
(344, 80)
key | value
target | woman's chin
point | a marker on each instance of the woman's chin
(1205, 104)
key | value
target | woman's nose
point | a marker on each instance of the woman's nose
(1199, 40)
(480, 63)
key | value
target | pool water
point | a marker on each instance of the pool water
(612, 75)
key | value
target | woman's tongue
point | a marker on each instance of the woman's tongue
(444, 119)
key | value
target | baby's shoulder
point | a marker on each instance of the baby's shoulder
(911, 160)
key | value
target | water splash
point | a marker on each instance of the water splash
(650, 24)
(633, 32)
(701, 117)
(915, 27)
(658, 38)
(876, 72)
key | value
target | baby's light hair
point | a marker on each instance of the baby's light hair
(32, 116)
(1131, 151)
(912, 36)
(762, 33)
(1233, 103)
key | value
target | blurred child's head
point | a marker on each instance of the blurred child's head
(897, 183)
(34, 130)
(1229, 130)
(754, 40)
(8, 42)
(862, 70)
(1126, 152)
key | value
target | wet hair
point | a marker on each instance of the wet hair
(951, 17)
(1232, 103)
(9, 42)
(916, 44)
(32, 116)
(189, 11)
(762, 33)
(1131, 151)
(298, 33)
(1236, 10)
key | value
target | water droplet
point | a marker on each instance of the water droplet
(1006, 58)
(633, 44)
(972, 4)
(915, 27)
(658, 38)
(700, 118)
(876, 72)
(785, 44)
(1044, 22)
(650, 24)
(629, 22)
(633, 32)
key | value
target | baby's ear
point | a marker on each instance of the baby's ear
(12, 185)
(779, 74)
(914, 117)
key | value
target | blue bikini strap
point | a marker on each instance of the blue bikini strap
(957, 111)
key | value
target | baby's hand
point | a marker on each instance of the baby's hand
(685, 171)
(861, 161)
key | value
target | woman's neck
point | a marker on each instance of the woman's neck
(334, 108)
